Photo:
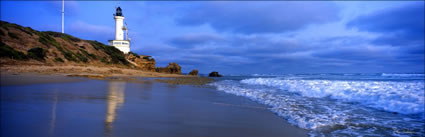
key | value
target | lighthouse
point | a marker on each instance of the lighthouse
(121, 41)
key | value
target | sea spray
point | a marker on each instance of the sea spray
(342, 105)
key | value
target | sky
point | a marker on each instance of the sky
(249, 37)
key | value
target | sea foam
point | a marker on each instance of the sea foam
(338, 107)
(400, 97)
(402, 75)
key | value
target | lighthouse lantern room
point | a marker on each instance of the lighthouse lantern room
(122, 43)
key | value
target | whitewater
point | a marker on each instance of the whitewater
(380, 104)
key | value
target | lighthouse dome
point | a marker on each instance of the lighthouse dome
(119, 12)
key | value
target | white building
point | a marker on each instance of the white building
(122, 43)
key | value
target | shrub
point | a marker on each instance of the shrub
(37, 53)
(45, 39)
(68, 56)
(57, 59)
(66, 37)
(96, 45)
(27, 30)
(70, 38)
(149, 58)
(88, 54)
(104, 60)
(2, 33)
(4, 24)
(81, 57)
(134, 54)
(116, 55)
(6, 51)
(93, 56)
(13, 35)
(24, 29)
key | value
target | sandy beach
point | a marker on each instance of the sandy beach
(77, 106)
(90, 70)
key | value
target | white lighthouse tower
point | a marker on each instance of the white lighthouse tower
(122, 43)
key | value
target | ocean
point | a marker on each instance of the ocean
(378, 104)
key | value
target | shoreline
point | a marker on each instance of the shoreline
(100, 71)
(205, 111)
(12, 79)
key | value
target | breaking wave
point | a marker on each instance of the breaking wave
(402, 75)
(400, 97)
(338, 107)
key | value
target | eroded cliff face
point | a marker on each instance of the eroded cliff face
(142, 62)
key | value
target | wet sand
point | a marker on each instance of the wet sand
(30, 78)
(87, 107)
(95, 71)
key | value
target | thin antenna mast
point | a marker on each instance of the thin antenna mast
(63, 15)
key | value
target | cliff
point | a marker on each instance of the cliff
(25, 46)
(146, 63)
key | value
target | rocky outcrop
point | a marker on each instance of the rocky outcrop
(145, 63)
(24, 45)
(172, 68)
(194, 72)
(214, 74)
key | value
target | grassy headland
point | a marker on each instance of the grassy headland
(25, 50)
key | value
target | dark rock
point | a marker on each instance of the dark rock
(214, 74)
(172, 68)
(187, 81)
(194, 72)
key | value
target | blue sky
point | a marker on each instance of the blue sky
(233, 37)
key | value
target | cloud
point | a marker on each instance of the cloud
(401, 27)
(259, 17)
(358, 53)
(191, 40)
(71, 7)
(398, 26)
(406, 21)
(91, 31)
(235, 51)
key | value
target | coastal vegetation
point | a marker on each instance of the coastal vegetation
(6, 51)
(23, 45)
(13, 35)
(54, 47)
(37, 53)
(134, 54)
(57, 59)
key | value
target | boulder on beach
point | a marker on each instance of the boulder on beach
(214, 74)
(172, 68)
(194, 72)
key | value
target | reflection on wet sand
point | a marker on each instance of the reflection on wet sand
(53, 120)
(115, 99)
(145, 90)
